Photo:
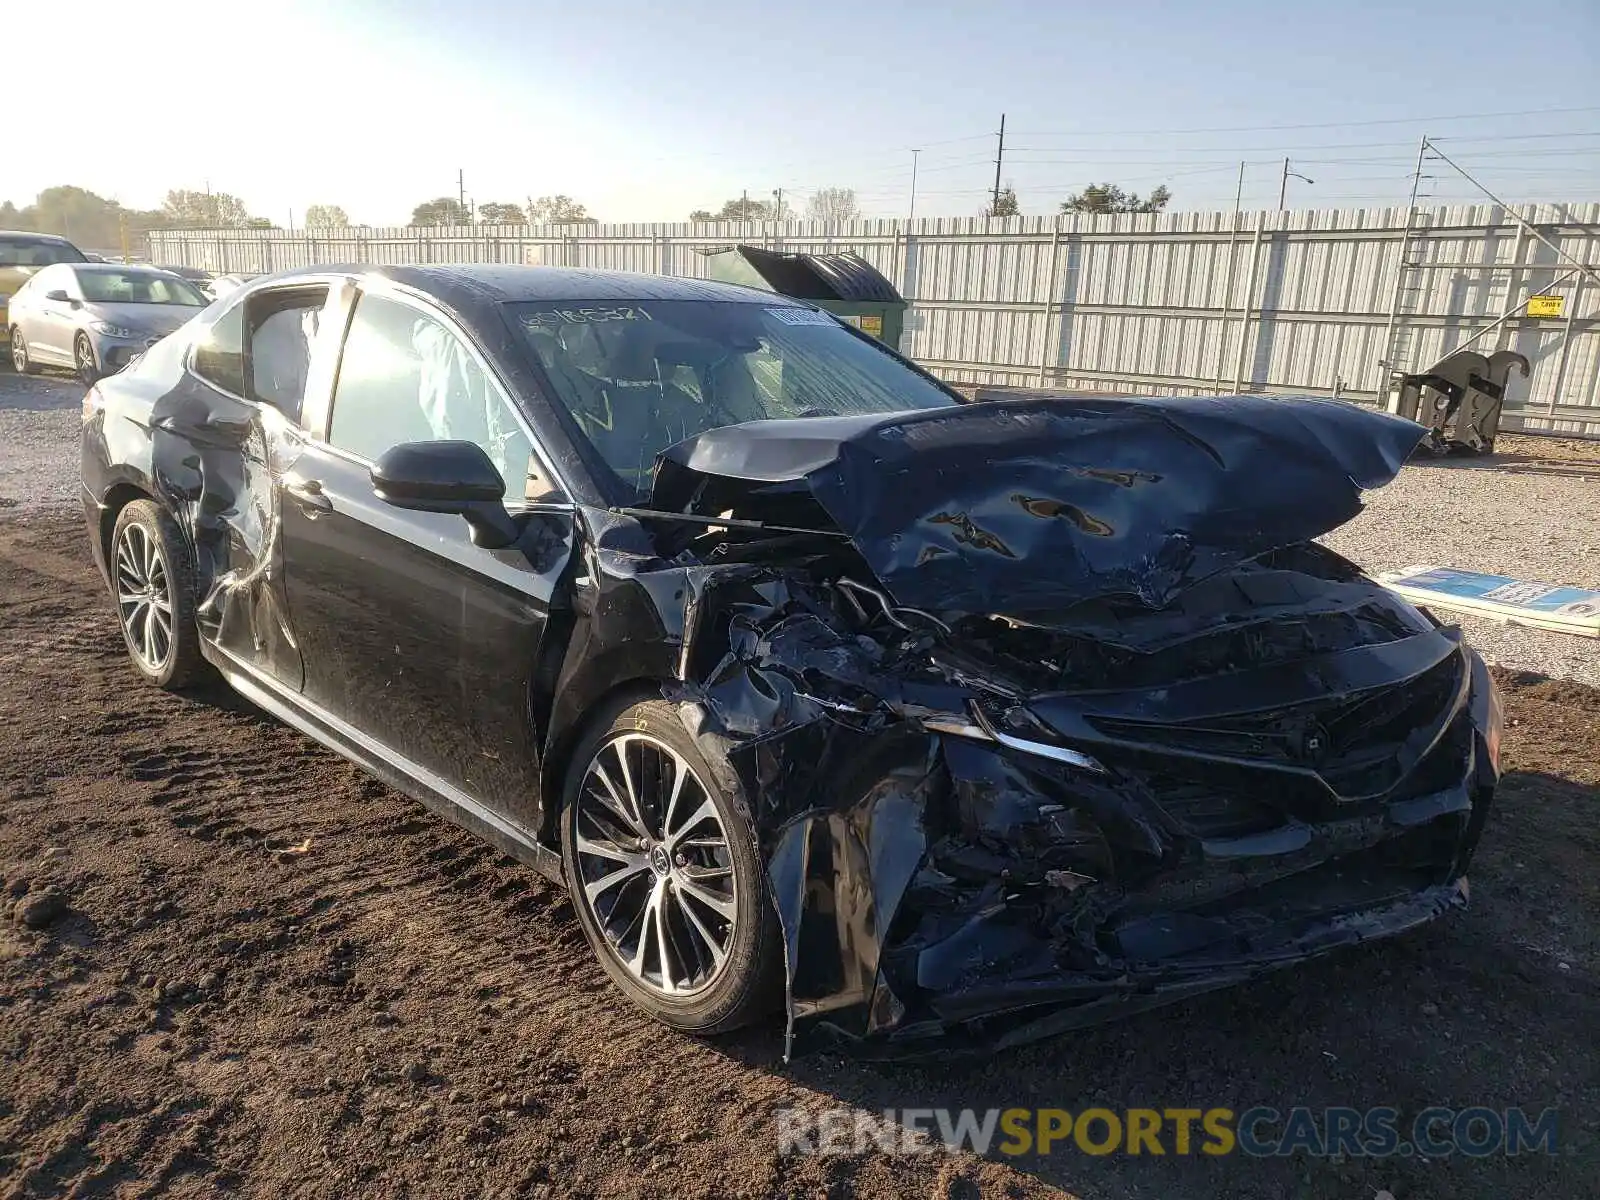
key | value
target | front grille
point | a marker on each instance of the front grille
(1360, 745)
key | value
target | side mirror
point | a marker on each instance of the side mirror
(448, 477)
(59, 295)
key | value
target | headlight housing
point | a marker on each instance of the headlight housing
(110, 330)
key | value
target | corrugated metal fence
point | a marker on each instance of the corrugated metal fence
(1309, 301)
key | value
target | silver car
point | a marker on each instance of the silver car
(96, 317)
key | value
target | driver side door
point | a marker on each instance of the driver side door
(410, 634)
(49, 324)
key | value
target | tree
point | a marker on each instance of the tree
(558, 210)
(501, 214)
(88, 220)
(326, 216)
(833, 204)
(446, 210)
(204, 210)
(1109, 198)
(738, 209)
(1006, 206)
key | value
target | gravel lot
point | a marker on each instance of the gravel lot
(39, 419)
(1531, 511)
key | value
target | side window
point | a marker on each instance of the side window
(405, 377)
(283, 329)
(219, 355)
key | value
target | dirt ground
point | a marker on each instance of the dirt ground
(276, 977)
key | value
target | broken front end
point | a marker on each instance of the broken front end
(1093, 779)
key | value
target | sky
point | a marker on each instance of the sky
(644, 111)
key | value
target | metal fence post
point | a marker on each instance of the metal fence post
(1249, 303)
(1050, 299)
(1566, 347)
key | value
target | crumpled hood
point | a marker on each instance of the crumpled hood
(1031, 506)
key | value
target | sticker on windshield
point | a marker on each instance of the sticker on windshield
(588, 315)
(801, 316)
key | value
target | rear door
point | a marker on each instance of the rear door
(258, 362)
(410, 633)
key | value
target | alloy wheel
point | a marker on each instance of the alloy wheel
(19, 352)
(83, 356)
(654, 865)
(144, 597)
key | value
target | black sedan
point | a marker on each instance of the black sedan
(934, 722)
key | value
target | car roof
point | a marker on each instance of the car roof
(27, 235)
(468, 285)
(95, 268)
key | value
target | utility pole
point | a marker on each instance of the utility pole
(999, 157)
(744, 205)
(461, 188)
(1283, 186)
(777, 212)
(1238, 196)
(911, 215)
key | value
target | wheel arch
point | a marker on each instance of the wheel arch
(564, 737)
(117, 498)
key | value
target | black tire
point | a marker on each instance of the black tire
(175, 662)
(85, 365)
(743, 986)
(20, 362)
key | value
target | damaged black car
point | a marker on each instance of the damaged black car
(925, 722)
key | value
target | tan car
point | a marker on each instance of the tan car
(23, 255)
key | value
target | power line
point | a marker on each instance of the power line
(1532, 112)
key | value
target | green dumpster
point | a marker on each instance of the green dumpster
(846, 285)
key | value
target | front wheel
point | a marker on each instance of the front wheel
(84, 361)
(665, 876)
(20, 362)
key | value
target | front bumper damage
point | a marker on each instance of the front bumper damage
(981, 829)
(938, 888)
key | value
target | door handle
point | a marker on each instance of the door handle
(307, 493)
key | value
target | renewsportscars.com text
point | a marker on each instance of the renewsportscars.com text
(1259, 1132)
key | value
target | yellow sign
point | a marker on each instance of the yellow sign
(873, 324)
(1546, 306)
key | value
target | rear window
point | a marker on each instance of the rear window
(36, 252)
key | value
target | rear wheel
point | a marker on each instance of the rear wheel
(665, 876)
(20, 362)
(84, 361)
(152, 581)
